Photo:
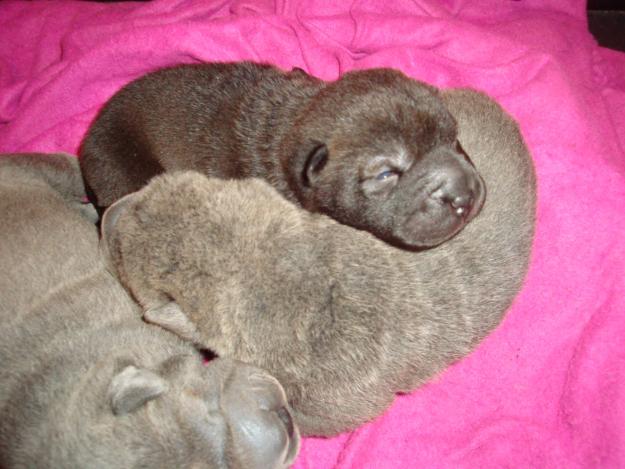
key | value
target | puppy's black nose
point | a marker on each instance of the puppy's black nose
(456, 194)
(462, 204)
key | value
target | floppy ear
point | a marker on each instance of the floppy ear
(315, 161)
(171, 317)
(460, 150)
(132, 387)
(112, 214)
(107, 228)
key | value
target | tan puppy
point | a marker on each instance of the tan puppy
(375, 149)
(343, 320)
(84, 383)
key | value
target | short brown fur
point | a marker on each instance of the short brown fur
(375, 149)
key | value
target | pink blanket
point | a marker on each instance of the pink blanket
(545, 389)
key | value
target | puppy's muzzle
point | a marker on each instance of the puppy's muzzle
(461, 189)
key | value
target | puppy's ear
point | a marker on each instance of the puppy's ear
(112, 214)
(132, 387)
(171, 317)
(460, 150)
(108, 227)
(315, 161)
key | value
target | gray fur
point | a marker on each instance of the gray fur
(84, 382)
(342, 319)
(375, 149)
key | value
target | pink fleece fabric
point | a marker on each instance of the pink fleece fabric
(547, 387)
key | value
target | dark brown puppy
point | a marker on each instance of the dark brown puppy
(375, 150)
(342, 319)
(84, 383)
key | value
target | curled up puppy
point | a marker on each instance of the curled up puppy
(84, 382)
(375, 149)
(342, 319)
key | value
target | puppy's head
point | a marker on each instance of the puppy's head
(225, 414)
(380, 153)
(170, 240)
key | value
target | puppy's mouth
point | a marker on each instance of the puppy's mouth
(425, 229)
(438, 218)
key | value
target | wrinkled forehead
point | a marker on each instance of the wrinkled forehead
(392, 123)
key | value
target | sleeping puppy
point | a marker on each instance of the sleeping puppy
(84, 382)
(375, 150)
(343, 320)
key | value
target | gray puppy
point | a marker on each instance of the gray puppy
(342, 319)
(84, 382)
(375, 149)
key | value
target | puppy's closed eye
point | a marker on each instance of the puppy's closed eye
(381, 184)
(387, 174)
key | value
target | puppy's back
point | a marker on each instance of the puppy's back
(42, 188)
(198, 123)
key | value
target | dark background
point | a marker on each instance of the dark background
(606, 20)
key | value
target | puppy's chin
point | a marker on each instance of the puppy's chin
(423, 231)
(430, 225)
